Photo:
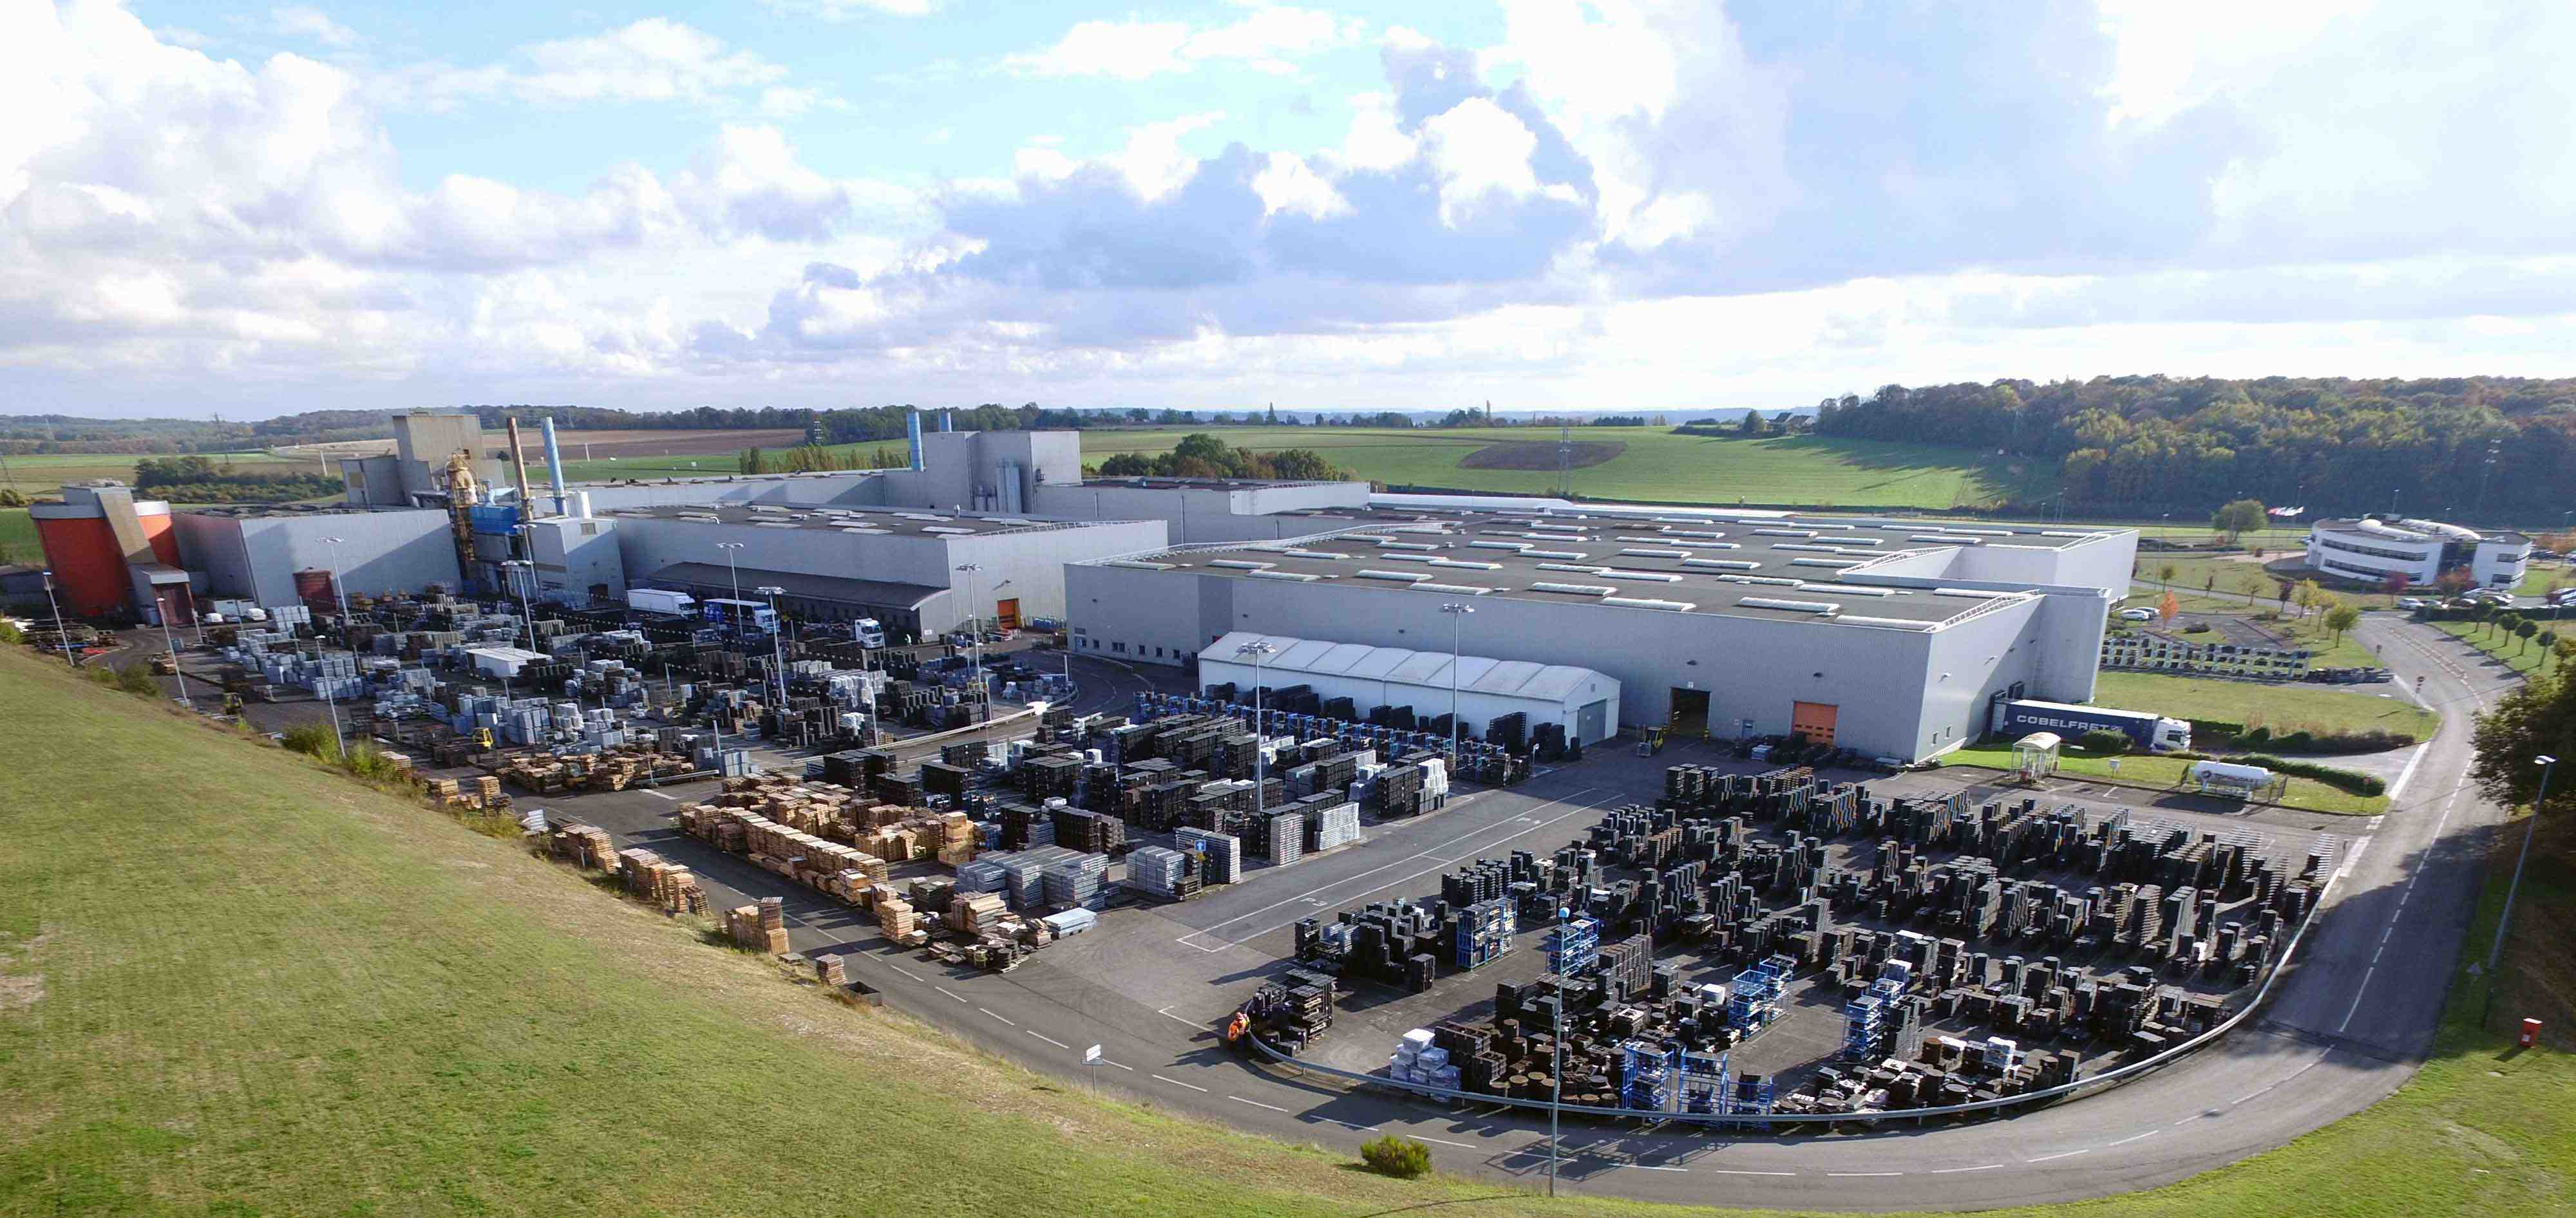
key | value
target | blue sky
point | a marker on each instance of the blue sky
(1599, 203)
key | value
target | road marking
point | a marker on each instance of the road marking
(1943, 1171)
(1178, 1083)
(1106, 1062)
(2141, 1137)
(659, 795)
(2398, 788)
(2063, 1154)
(951, 993)
(905, 971)
(989, 1011)
(1166, 1013)
(1733, 1171)
(2251, 1094)
(1864, 1173)
(1443, 1141)
(1256, 1103)
(1347, 1124)
(2185, 1121)
(1049, 1039)
(1653, 1167)
(1425, 853)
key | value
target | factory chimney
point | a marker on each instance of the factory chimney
(554, 465)
(912, 432)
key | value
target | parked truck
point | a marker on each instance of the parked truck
(2146, 729)
(654, 600)
(743, 616)
(868, 632)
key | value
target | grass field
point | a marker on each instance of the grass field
(2310, 632)
(269, 991)
(2162, 773)
(18, 537)
(2520, 655)
(44, 475)
(2282, 708)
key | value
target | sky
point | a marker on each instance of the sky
(1612, 204)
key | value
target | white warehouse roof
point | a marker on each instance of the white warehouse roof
(1552, 683)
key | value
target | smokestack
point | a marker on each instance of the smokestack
(912, 431)
(519, 470)
(554, 465)
(947, 420)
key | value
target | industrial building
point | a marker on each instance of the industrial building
(415, 475)
(290, 554)
(1480, 688)
(2373, 548)
(110, 552)
(1887, 636)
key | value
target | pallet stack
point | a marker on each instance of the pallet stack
(895, 918)
(584, 846)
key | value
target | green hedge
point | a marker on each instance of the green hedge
(2343, 780)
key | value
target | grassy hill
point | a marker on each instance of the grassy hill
(233, 983)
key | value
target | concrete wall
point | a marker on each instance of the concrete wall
(257, 558)
(1752, 668)
(574, 553)
(1034, 562)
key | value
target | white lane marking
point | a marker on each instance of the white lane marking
(901, 969)
(1443, 1141)
(2398, 788)
(989, 1011)
(1106, 1062)
(1653, 1167)
(1943, 1171)
(2185, 1121)
(1864, 1173)
(1049, 1039)
(951, 993)
(1178, 1083)
(1731, 1171)
(2252, 1094)
(659, 795)
(2063, 1154)
(1382, 867)
(2125, 1141)
(1166, 1013)
(1256, 1103)
(2357, 993)
(1348, 1124)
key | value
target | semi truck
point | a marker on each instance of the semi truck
(2146, 729)
(655, 600)
(751, 617)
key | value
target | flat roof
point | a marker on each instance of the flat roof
(898, 522)
(1774, 566)
(264, 511)
(716, 578)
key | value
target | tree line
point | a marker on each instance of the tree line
(2474, 447)
(1200, 455)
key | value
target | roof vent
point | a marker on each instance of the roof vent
(1575, 589)
(1723, 564)
(1639, 602)
(1567, 566)
(1299, 576)
(1460, 589)
(1409, 577)
(1660, 577)
(1239, 564)
(1767, 602)
(1655, 552)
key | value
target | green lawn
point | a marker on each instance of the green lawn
(2332, 651)
(2539, 578)
(2282, 708)
(2162, 773)
(18, 537)
(2520, 655)
(232, 983)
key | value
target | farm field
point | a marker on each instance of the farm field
(45, 474)
(18, 537)
(1650, 463)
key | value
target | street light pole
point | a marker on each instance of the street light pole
(777, 655)
(974, 621)
(336, 590)
(176, 673)
(1457, 611)
(64, 640)
(732, 576)
(522, 570)
(1258, 650)
(2495, 952)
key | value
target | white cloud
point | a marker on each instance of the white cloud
(1479, 149)
(655, 59)
(1287, 183)
(303, 22)
(2165, 61)
(1268, 39)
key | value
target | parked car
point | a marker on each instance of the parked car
(2137, 615)
(2410, 602)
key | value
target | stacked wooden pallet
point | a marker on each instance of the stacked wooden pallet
(894, 917)
(584, 846)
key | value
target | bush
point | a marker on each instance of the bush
(1402, 1158)
(2343, 780)
(10, 634)
(313, 739)
(2256, 735)
(137, 679)
(2103, 740)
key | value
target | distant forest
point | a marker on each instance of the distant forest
(2483, 448)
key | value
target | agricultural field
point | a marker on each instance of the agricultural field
(601, 456)
(46, 474)
(18, 537)
(1635, 463)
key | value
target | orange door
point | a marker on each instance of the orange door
(1006, 614)
(1814, 720)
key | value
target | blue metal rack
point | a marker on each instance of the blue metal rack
(1704, 1082)
(1574, 947)
(1648, 1071)
(1753, 998)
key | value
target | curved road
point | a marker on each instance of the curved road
(2349, 1022)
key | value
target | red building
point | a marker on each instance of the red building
(109, 552)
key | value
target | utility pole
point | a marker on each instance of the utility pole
(2495, 952)
(1258, 650)
(1457, 611)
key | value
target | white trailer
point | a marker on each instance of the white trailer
(655, 600)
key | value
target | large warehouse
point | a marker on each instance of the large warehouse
(1877, 634)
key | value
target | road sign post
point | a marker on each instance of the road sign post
(1091, 1058)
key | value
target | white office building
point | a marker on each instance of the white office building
(2371, 549)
